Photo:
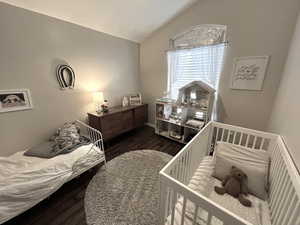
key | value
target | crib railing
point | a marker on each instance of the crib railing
(175, 176)
(185, 163)
(284, 192)
(242, 136)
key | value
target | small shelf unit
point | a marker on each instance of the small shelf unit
(194, 103)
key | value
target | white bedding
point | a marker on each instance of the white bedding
(25, 180)
(204, 183)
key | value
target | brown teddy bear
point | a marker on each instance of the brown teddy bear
(235, 184)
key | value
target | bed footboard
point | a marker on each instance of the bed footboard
(94, 155)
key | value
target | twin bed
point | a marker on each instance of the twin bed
(26, 180)
(187, 185)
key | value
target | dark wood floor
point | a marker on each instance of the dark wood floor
(66, 206)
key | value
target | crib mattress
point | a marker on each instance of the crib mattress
(203, 182)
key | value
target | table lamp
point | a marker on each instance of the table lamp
(98, 99)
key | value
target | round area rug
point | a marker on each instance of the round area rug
(127, 191)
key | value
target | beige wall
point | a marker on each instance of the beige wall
(31, 47)
(285, 117)
(254, 28)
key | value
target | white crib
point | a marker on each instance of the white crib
(284, 200)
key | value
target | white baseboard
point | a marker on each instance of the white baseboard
(150, 125)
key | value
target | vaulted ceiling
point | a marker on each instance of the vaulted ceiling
(130, 19)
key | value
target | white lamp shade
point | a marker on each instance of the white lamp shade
(98, 97)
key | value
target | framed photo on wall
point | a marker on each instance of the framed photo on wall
(14, 100)
(249, 72)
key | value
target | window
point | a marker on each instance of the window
(201, 63)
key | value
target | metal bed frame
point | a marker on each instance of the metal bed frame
(96, 139)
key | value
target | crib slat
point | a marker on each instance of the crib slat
(286, 202)
(185, 170)
(234, 137)
(247, 140)
(294, 215)
(183, 211)
(228, 135)
(217, 136)
(163, 201)
(195, 215)
(282, 195)
(287, 213)
(174, 200)
(223, 131)
(188, 166)
(262, 143)
(176, 171)
(254, 142)
(275, 165)
(180, 170)
(209, 217)
(241, 138)
(277, 187)
(168, 207)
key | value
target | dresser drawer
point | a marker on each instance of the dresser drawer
(127, 119)
(140, 116)
(111, 125)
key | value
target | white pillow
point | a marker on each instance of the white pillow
(254, 163)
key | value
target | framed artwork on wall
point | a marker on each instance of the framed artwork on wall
(249, 72)
(15, 100)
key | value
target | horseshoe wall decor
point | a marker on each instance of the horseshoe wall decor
(65, 76)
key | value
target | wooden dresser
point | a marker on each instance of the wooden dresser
(119, 120)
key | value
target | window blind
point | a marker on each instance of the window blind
(202, 63)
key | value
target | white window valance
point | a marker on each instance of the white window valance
(201, 35)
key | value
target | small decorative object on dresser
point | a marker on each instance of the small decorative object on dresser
(249, 72)
(119, 120)
(135, 99)
(125, 101)
(104, 106)
(98, 100)
(14, 100)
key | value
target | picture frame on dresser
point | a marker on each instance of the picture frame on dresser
(135, 99)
